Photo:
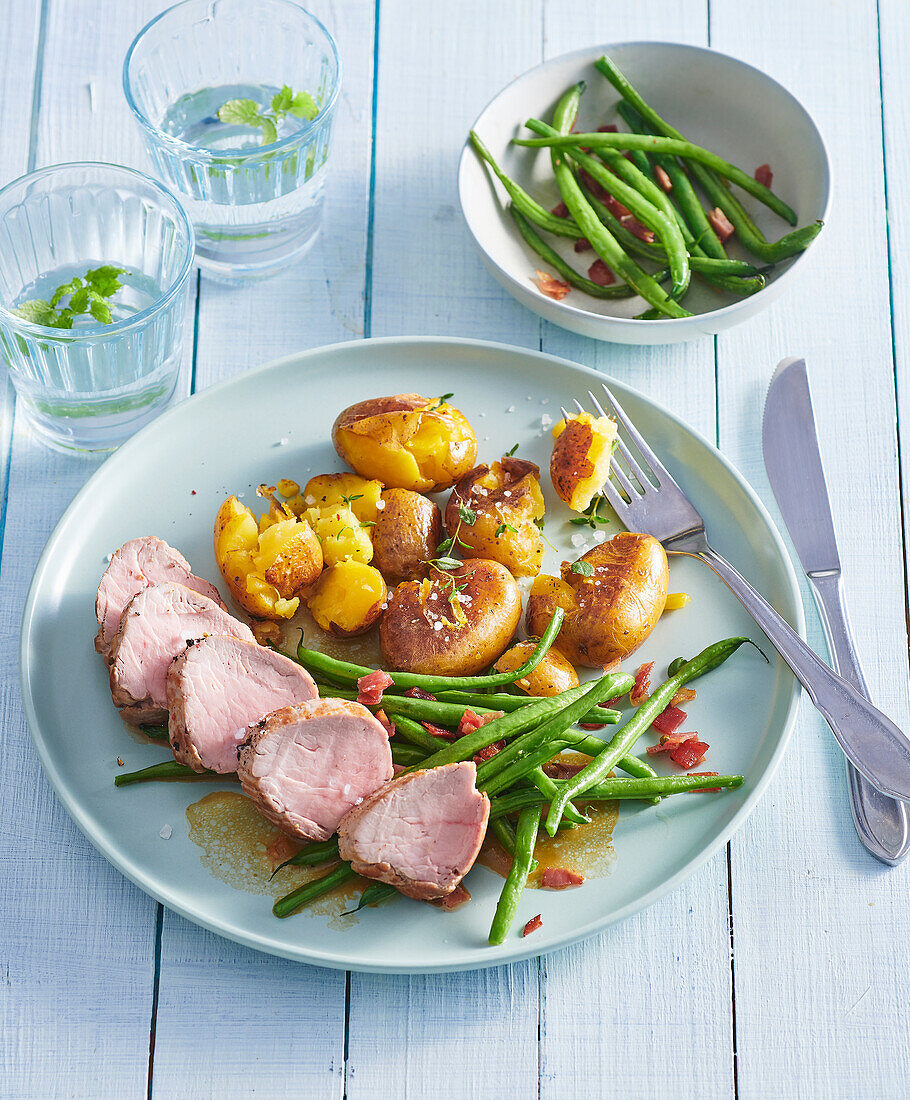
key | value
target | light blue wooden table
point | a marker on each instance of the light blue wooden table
(782, 969)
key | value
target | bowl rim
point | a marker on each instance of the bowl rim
(588, 54)
(207, 156)
(11, 320)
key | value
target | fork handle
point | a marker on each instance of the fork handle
(870, 740)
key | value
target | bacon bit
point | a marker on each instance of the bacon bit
(670, 741)
(192, 492)
(599, 273)
(611, 667)
(637, 229)
(492, 716)
(683, 696)
(763, 174)
(469, 723)
(281, 848)
(558, 878)
(639, 692)
(690, 753)
(596, 190)
(592, 725)
(560, 210)
(663, 179)
(419, 693)
(489, 752)
(533, 924)
(556, 769)
(704, 790)
(669, 720)
(721, 224)
(583, 245)
(438, 731)
(119, 762)
(608, 128)
(371, 687)
(387, 724)
(611, 703)
(458, 897)
(552, 288)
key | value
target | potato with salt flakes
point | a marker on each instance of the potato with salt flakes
(494, 510)
(451, 624)
(266, 562)
(612, 596)
(553, 675)
(406, 441)
(348, 598)
(407, 531)
(580, 462)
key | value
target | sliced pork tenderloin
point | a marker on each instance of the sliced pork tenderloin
(420, 833)
(157, 625)
(305, 766)
(217, 688)
(140, 563)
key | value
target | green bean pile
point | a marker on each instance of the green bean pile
(534, 730)
(649, 171)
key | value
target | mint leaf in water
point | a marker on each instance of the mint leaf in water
(269, 131)
(240, 112)
(37, 311)
(104, 281)
(247, 112)
(303, 106)
(101, 311)
(86, 295)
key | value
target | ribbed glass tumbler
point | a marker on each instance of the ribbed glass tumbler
(89, 386)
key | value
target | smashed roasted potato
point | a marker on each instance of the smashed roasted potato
(341, 508)
(494, 511)
(407, 531)
(406, 441)
(612, 596)
(348, 598)
(451, 623)
(580, 462)
(553, 675)
(265, 563)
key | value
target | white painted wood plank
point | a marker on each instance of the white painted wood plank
(821, 961)
(320, 301)
(661, 1029)
(79, 939)
(437, 68)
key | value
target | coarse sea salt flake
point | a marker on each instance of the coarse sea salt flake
(165, 832)
(546, 420)
(282, 442)
(510, 409)
(578, 539)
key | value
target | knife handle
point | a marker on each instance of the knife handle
(883, 823)
(874, 744)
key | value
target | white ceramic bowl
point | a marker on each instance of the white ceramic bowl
(716, 101)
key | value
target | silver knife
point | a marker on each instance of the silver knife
(794, 466)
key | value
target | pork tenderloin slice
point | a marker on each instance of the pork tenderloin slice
(420, 833)
(305, 766)
(217, 688)
(157, 625)
(140, 563)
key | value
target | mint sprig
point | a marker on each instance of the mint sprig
(247, 112)
(87, 294)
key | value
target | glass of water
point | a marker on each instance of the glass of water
(235, 100)
(95, 262)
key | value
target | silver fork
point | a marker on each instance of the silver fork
(650, 501)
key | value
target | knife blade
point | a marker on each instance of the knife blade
(794, 466)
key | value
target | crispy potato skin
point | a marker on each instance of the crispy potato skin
(408, 530)
(348, 598)
(410, 642)
(609, 614)
(406, 441)
(264, 564)
(580, 462)
(505, 495)
(553, 675)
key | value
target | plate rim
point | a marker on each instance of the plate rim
(580, 315)
(316, 957)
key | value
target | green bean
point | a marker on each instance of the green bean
(167, 769)
(501, 701)
(519, 721)
(516, 880)
(415, 733)
(313, 889)
(407, 756)
(310, 856)
(647, 213)
(571, 276)
(620, 789)
(638, 769)
(746, 229)
(683, 191)
(350, 673)
(532, 210)
(157, 733)
(374, 894)
(675, 665)
(505, 834)
(624, 739)
(422, 710)
(674, 147)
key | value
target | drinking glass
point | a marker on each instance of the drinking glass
(89, 387)
(256, 207)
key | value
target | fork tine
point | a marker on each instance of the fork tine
(645, 482)
(578, 405)
(650, 458)
(597, 405)
(613, 495)
(565, 414)
(623, 478)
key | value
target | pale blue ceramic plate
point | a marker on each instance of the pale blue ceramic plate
(169, 481)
